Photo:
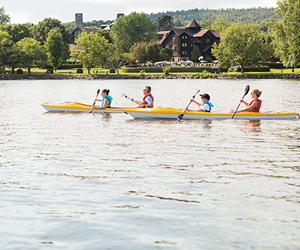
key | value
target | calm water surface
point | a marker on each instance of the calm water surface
(83, 181)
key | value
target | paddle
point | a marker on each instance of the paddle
(246, 92)
(181, 116)
(133, 101)
(98, 91)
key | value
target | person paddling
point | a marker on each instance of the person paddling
(206, 105)
(254, 105)
(148, 99)
(106, 99)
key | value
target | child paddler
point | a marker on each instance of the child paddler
(106, 99)
(206, 105)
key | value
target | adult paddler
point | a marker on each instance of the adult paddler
(148, 99)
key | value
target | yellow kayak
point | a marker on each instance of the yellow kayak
(173, 113)
(80, 107)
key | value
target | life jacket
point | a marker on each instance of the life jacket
(144, 100)
(257, 108)
(109, 99)
(209, 104)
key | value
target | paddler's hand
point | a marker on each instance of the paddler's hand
(132, 99)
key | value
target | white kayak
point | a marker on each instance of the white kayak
(80, 107)
(172, 113)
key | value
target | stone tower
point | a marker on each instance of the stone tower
(78, 21)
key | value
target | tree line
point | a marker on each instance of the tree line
(133, 39)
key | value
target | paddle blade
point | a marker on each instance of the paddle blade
(247, 90)
(179, 118)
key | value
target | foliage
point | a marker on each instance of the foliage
(19, 71)
(242, 45)
(41, 30)
(220, 24)
(196, 53)
(79, 71)
(4, 18)
(165, 54)
(287, 32)
(164, 23)
(152, 52)
(30, 53)
(250, 15)
(138, 52)
(131, 29)
(166, 71)
(55, 48)
(16, 31)
(172, 69)
(5, 45)
(93, 50)
(142, 72)
(112, 71)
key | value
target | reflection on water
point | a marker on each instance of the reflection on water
(80, 181)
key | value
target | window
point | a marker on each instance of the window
(184, 45)
(184, 52)
(207, 40)
(184, 37)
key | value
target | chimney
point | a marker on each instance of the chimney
(78, 21)
(120, 15)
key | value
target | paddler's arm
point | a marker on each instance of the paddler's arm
(246, 103)
(199, 104)
(253, 105)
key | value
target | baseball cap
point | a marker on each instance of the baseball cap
(206, 96)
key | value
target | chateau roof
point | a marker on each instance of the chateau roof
(203, 32)
(193, 24)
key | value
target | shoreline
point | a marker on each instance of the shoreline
(147, 77)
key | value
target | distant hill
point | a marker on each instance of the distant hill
(251, 15)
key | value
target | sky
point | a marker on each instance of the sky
(33, 11)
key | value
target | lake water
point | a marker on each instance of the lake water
(83, 181)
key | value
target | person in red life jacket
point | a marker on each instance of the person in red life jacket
(254, 105)
(148, 99)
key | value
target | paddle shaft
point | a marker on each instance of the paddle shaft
(246, 92)
(134, 101)
(181, 116)
(94, 103)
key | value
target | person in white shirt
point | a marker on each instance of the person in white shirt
(205, 106)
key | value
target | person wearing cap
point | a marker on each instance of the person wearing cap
(206, 105)
(148, 99)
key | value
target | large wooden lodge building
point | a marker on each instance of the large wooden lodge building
(182, 41)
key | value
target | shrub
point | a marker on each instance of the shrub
(253, 69)
(208, 59)
(138, 69)
(273, 65)
(189, 69)
(70, 66)
(50, 71)
(166, 71)
(142, 72)
(112, 71)
(79, 71)
(19, 71)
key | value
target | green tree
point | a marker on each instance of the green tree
(30, 53)
(138, 52)
(5, 45)
(41, 30)
(55, 48)
(220, 24)
(242, 45)
(131, 29)
(287, 32)
(4, 18)
(16, 31)
(165, 22)
(165, 54)
(91, 50)
(196, 53)
(152, 52)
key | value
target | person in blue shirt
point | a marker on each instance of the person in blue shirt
(148, 99)
(106, 99)
(206, 105)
